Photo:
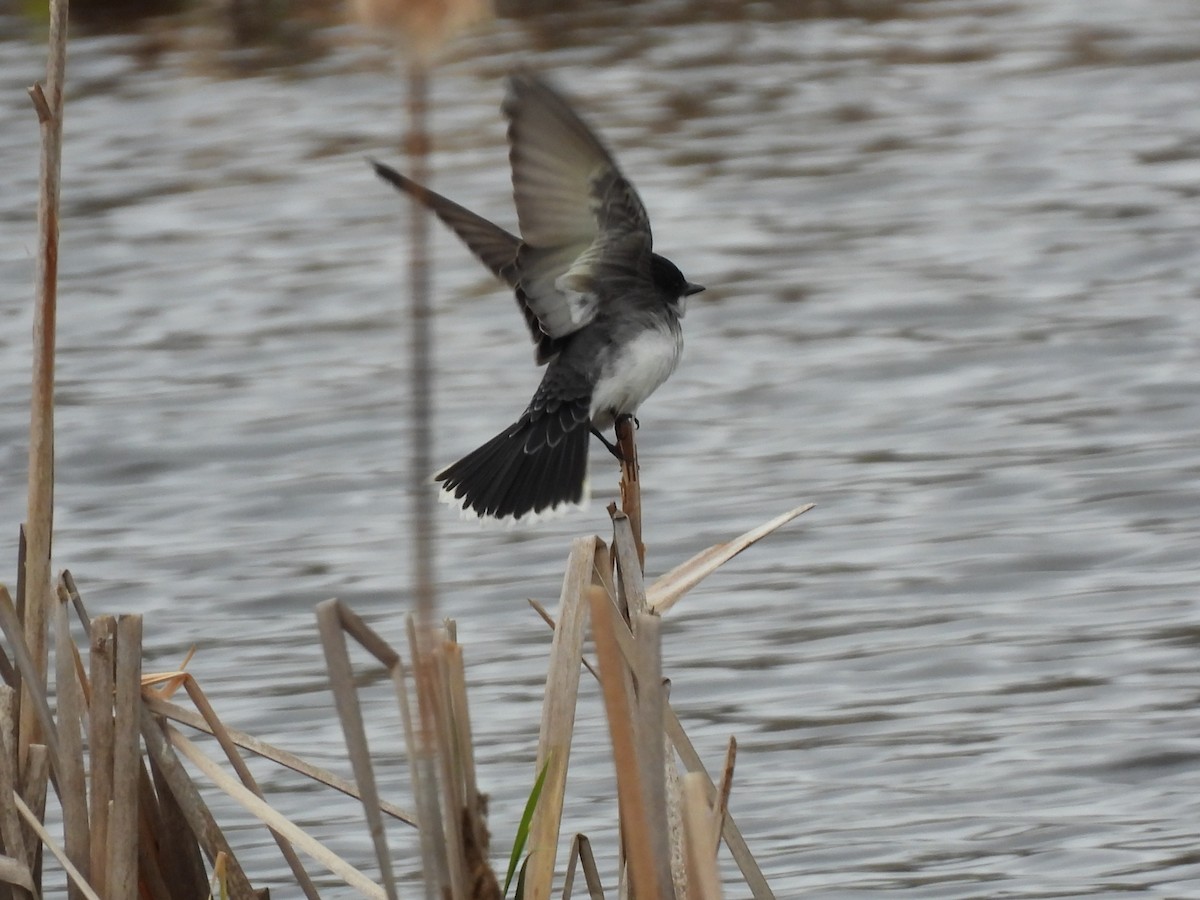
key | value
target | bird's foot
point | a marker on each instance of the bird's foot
(612, 448)
(626, 417)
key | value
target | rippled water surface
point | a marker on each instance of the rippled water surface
(951, 251)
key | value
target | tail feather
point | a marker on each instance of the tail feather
(480, 477)
(519, 472)
(517, 487)
(523, 489)
(571, 462)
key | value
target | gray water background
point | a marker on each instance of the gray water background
(950, 250)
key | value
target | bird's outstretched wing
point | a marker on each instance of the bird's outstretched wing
(582, 224)
(494, 246)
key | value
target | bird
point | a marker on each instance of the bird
(602, 308)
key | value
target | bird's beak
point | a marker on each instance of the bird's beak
(691, 288)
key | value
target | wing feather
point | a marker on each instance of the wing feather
(581, 221)
(496, 248)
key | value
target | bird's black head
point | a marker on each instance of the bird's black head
(670, 281)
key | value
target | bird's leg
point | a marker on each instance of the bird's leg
(612, 448)
(625, 417)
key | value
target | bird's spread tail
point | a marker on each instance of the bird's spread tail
(534, 466)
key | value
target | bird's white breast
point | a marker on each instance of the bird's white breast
(633, 373)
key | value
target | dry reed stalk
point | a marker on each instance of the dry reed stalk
(627, 559)
(141, 842)
(421, 25)
(436, 735)
(168, 710)
(424, 528)
(68, 588)
(732, 835)
(723, 791)
(482, 882)
(551, 624)
(433, 698)
(151, 824)
(169, 771)
(33, 689)
(22, 546)
(700, 832)
(667, 590)
(33, 580)
(179, 854)
(200, 700)
(257, 807)
(451, 763)
(625, 674)
(15, 873)
(72, 788)
(588, 559)
(674, 780)
(450, 809)
(631, 487)
(422, 778)
(581, 853)
(8, 673)
(121, 867)
(459, 770)
(645, 666)
(464, 741)
(225, 740)
(620, 706)
(100, 739)
(454, 671)
(34, 820)
(651, 744)
(33, 792)
(334, 626)
(439, 825)
(40, 514)
(12, 833)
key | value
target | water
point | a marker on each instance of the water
(950, 252)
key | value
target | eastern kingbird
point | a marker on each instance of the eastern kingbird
(603, 309)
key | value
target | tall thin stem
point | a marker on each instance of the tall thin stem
(424, 543)
(631, 488)
(40, 515)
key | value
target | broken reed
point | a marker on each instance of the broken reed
(136, 825)
(135, 822)
(671, 826)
